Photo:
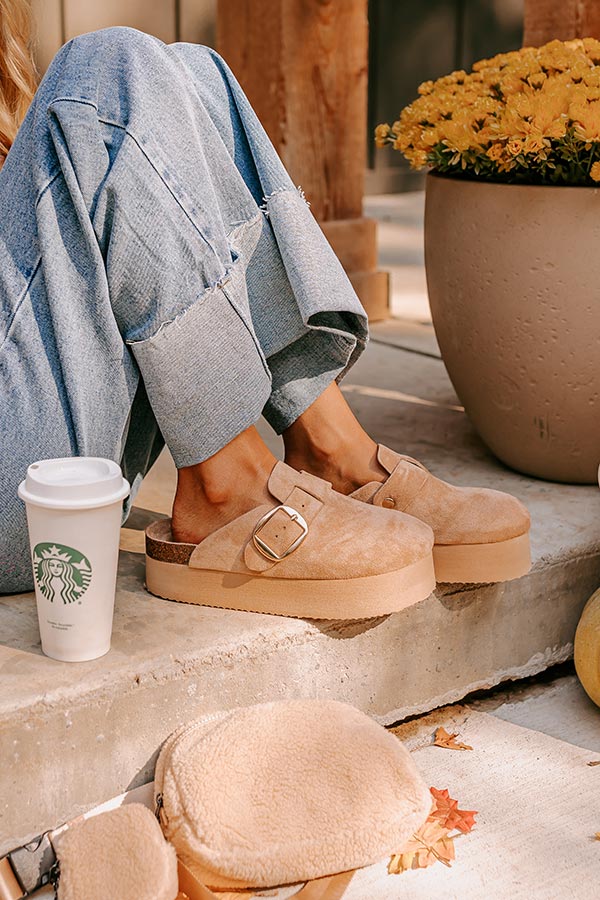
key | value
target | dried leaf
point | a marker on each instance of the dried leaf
(399, 863)
(443, 739)
(597, 835)
(433, 841)
(447, 813)
(594, 762)
(430, 844)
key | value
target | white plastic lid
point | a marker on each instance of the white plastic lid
(77, 482)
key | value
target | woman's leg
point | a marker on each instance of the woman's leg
(150, 228)
(326, 440)
(305, 404)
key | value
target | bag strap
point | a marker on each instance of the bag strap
(10, 888)
(330, 887)
(26, 869)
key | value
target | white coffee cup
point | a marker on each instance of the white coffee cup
(74, 509)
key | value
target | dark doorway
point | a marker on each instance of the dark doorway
(411, 42)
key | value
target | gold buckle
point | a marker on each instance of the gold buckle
(264, 548)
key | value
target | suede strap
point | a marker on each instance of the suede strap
(280, 531)
(402, 485)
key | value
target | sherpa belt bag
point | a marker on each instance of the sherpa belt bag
(262, 796)
(285, 792)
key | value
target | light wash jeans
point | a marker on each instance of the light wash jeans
(161, 278)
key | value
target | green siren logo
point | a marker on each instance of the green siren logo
(61, 573)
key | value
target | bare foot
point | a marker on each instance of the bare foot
(215, 492)
(328, 441)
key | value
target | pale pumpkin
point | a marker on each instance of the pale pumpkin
(587, 648)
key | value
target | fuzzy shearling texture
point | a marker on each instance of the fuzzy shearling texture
(117, 855)
(457, 515)
(346, 539)
(287, 791)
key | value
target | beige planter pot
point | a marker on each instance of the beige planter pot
(513, 274)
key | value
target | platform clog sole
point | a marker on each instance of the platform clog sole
(351, 598)
(482, 563)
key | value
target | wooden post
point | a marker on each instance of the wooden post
(303, 65)
(546, 20)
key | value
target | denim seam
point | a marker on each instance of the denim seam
(231, 237)
(210, 289)
(33, 273)
(344, 342)
(219, 285)
(140, 147)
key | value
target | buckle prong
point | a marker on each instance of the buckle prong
(264, 548)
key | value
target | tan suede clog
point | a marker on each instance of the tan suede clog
(314, 553)
(481, 535)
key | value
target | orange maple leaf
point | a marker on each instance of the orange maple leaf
(433, 841)
(447, 813)
(430, 844)
(443, 739)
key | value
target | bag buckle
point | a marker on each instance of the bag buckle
(28, 868)
(264, 548)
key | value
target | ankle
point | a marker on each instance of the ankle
(218, 483)
(328, 441)
(310, 455)
(215, 492)
(345, 464)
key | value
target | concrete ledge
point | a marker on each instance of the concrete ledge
(73, 735)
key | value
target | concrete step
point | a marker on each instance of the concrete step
(74, 735)
(537, 816)
(533, 788)
(400, 242)
(405, 334)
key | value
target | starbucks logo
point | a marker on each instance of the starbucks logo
(61, 573)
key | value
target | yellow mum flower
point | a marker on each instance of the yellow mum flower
(592, 49)
(418, 159)
(426, 87)
(587, 121)
(531, 111)
(536, 80)
(495, 152)
(403, 143)
(382, 132)
(534, 145)
(457, 137)
(430, 137)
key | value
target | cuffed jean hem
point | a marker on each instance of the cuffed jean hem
(303, 370)
(199, 416)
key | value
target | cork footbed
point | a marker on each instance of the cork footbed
(169, 576)
(482, 563)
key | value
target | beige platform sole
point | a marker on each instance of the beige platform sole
(351, 598)
(483, 563)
